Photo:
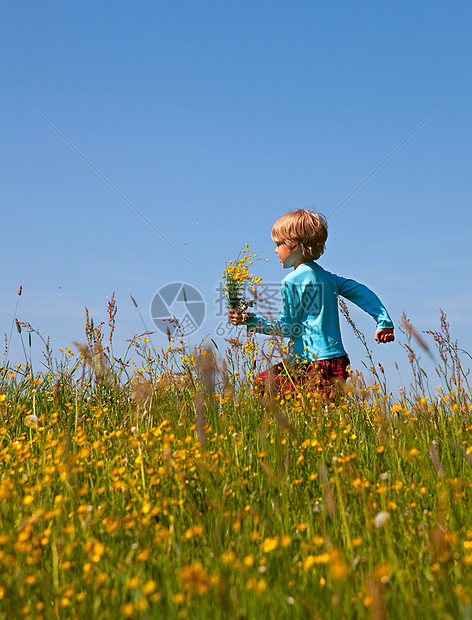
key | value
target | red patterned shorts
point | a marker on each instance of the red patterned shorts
(319, 375)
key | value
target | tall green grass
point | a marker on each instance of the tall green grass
(165, 488)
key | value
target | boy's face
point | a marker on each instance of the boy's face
(287, 255)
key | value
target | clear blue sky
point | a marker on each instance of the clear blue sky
(213, 119)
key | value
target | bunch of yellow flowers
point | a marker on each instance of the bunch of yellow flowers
(236, 278)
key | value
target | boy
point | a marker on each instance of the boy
(309, 316)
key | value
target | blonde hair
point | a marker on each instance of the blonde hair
(306, 228)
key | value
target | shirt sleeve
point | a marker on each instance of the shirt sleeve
(289, 316)
(365, 299)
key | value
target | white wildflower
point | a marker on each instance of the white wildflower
(31, 420)
(381, 518)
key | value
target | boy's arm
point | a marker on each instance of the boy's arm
(368, 301)
(284, 326)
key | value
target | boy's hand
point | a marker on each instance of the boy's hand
(384, 335)
(235, 318)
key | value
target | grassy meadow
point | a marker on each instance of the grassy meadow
(160, 486)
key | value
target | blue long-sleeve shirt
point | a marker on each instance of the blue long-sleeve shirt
(309, 314)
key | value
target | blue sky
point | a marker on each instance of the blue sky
(214, 119)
